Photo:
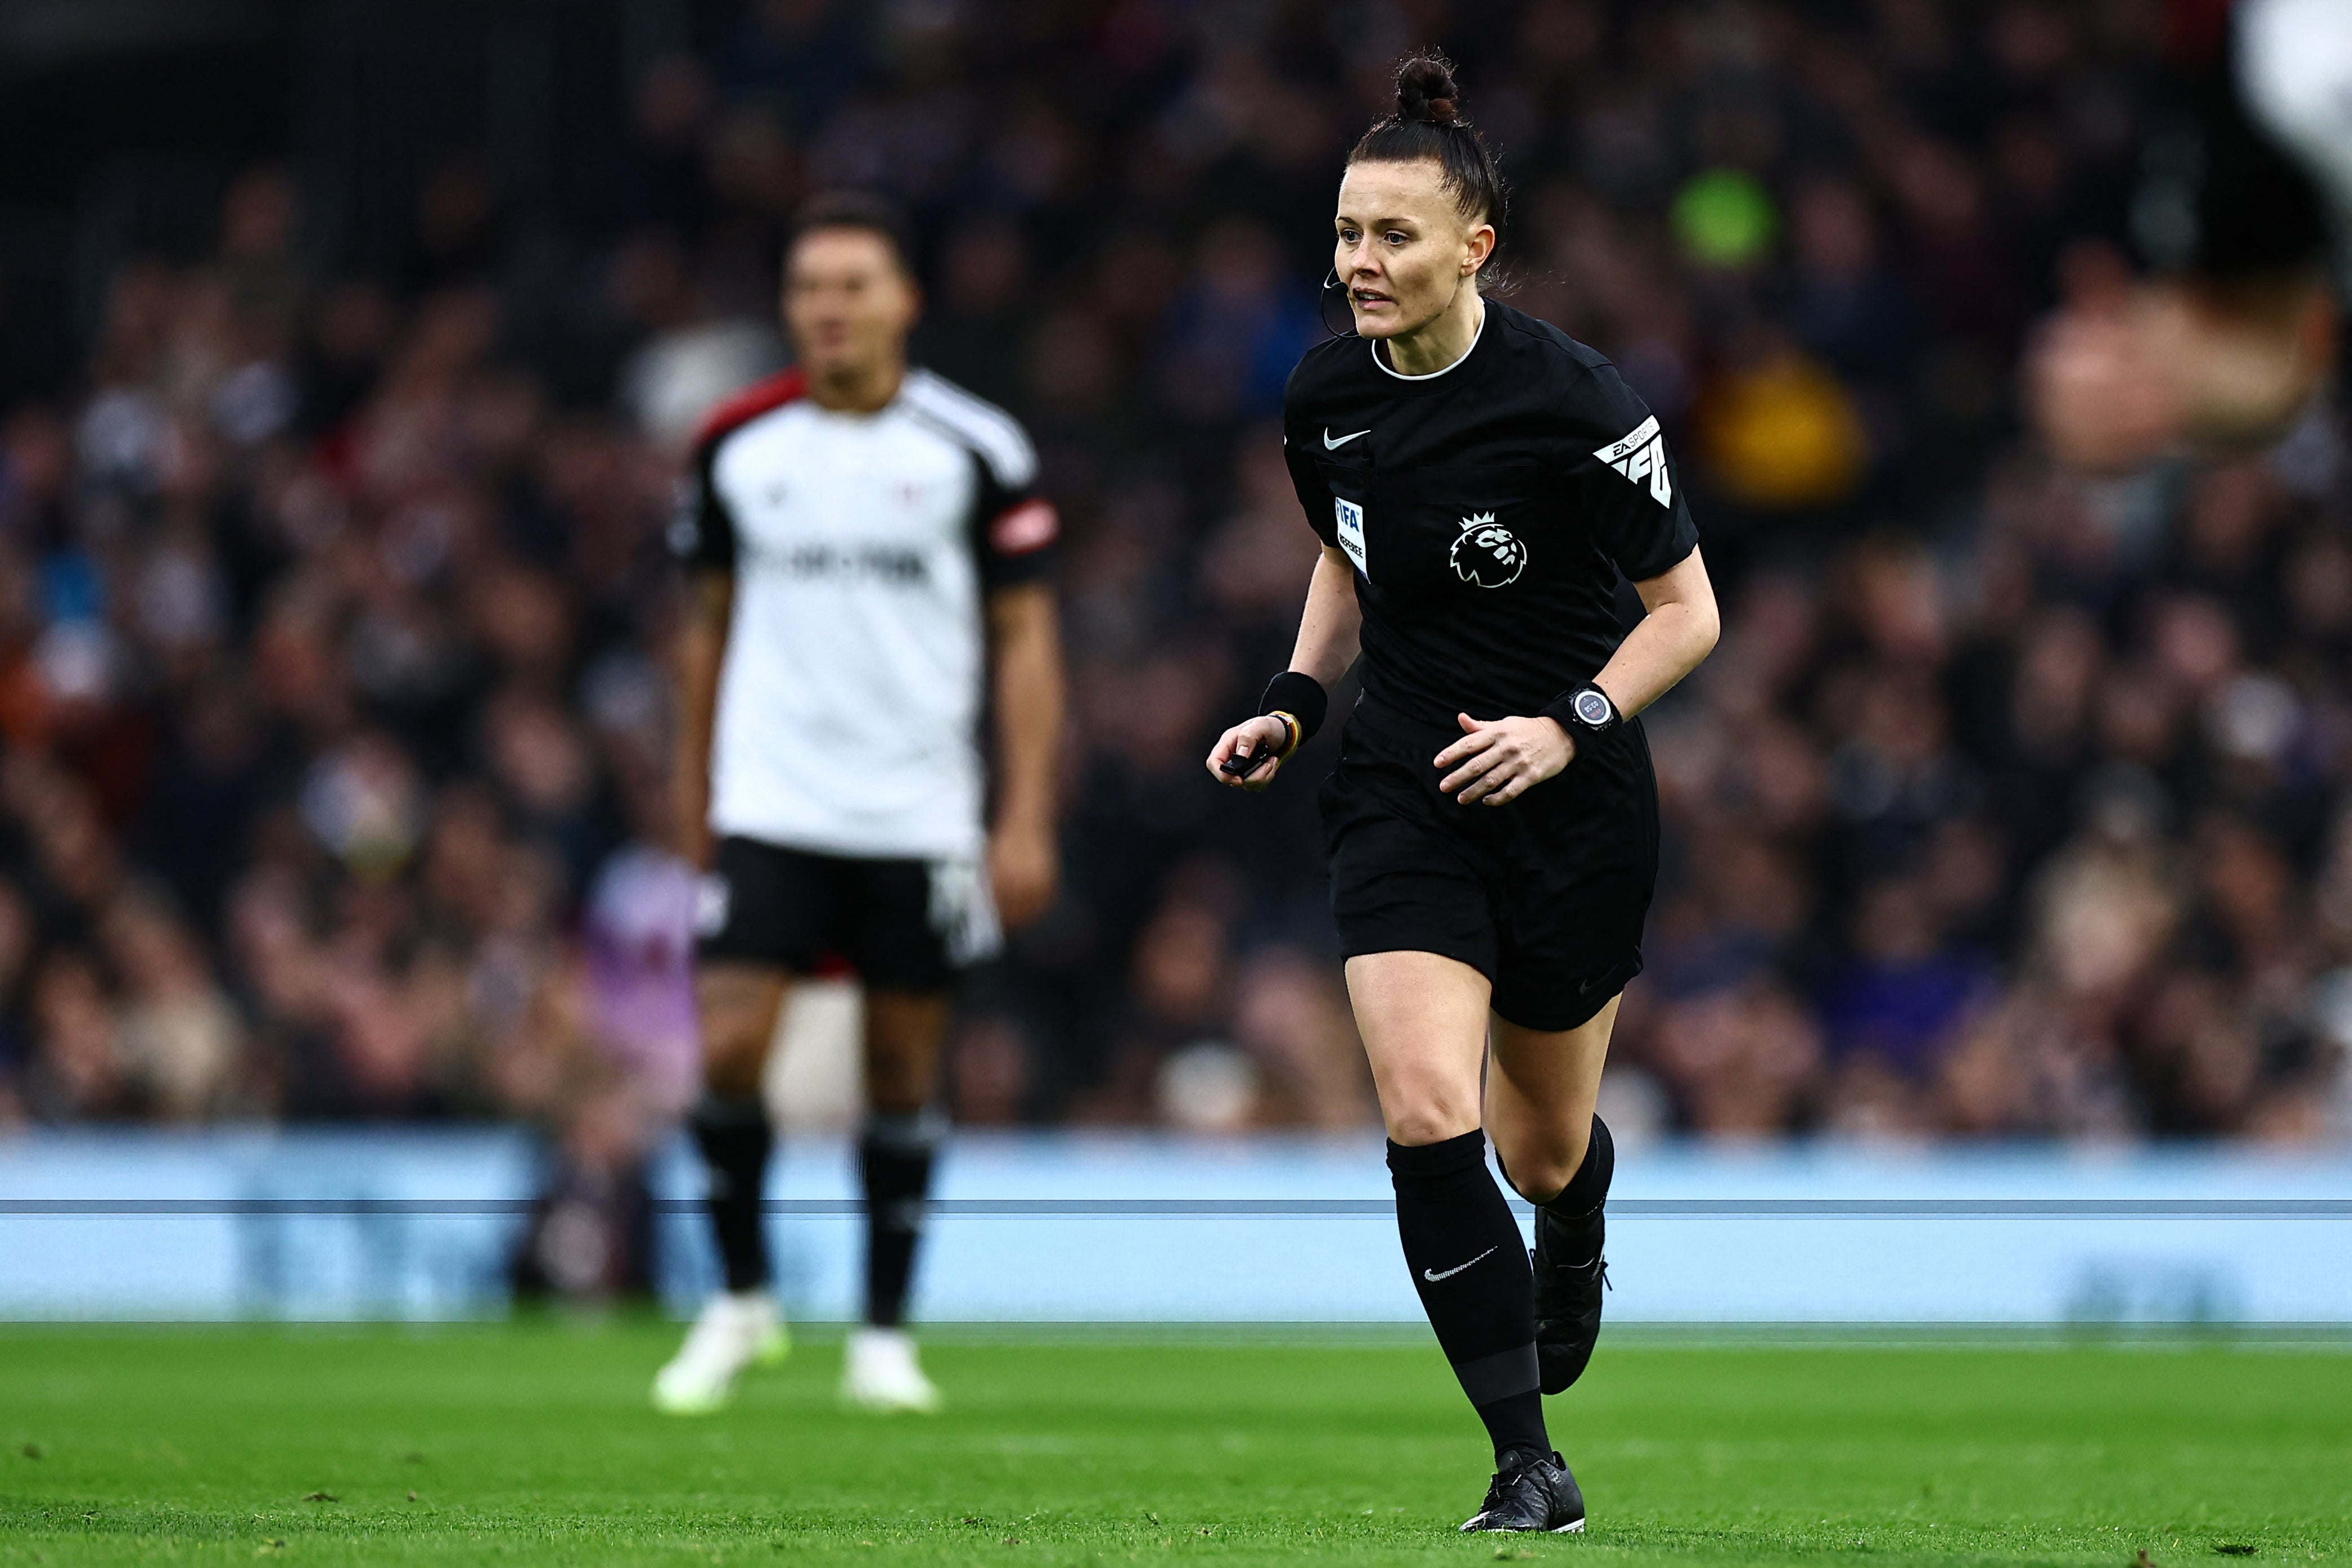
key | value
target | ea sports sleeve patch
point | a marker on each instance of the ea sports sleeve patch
(1642, 457)
(1639, 517)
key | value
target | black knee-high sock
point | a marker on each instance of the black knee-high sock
(1578, 1208)
(895, 1158)
(1470, 1266)
(736, 1140)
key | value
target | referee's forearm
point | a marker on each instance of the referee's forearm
(1331, 625)
(1672, 640)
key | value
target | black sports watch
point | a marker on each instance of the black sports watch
(1589, 707)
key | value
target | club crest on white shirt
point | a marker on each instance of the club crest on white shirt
(1641, 458)
(1486, 554)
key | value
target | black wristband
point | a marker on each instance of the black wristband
(1300, 696)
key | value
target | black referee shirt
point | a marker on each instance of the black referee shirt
(1488, 508)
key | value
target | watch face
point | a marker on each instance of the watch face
(1593, 708)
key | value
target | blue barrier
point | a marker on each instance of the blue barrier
(402, 1224)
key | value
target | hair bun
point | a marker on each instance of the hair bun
(1425, 90)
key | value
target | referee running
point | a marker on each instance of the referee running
(868, 574)
(1479, 480)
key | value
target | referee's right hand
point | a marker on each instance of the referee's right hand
(1261, 740)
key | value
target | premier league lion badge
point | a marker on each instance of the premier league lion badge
(1487, 554)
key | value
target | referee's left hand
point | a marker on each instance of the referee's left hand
(1498, 760)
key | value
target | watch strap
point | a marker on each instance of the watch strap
(1575, 713)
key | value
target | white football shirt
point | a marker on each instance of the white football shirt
(863, 548)
(2294, 67)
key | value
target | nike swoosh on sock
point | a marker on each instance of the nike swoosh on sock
(1434, 1277)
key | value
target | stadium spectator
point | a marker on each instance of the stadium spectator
(2014, 805)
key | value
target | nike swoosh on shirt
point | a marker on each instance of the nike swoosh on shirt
(1331, 446)
(1434, 1277)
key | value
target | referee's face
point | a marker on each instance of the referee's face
(1402, 249)
(848, 304)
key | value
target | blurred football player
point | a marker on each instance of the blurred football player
(868, 570)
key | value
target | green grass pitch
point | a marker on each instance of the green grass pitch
(532, 1444)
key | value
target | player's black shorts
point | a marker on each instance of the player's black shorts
(902, 924)
(1544, 896)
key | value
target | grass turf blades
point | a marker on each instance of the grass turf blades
(532, 1443)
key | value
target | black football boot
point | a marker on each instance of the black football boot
(1570, 1273)
(1531, 1492)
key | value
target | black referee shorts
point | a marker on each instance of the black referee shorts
(1544, 896)
(904, 925)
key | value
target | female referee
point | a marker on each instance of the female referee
(1478, 479)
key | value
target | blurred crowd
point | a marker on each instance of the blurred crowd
(334, 612)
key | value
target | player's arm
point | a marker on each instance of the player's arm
(1026, 643)
(2248, 355)
(1330, 630)
(1015, 531)
(1642, 520)
(2223, 365)
(701, 647)
(702, 537)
